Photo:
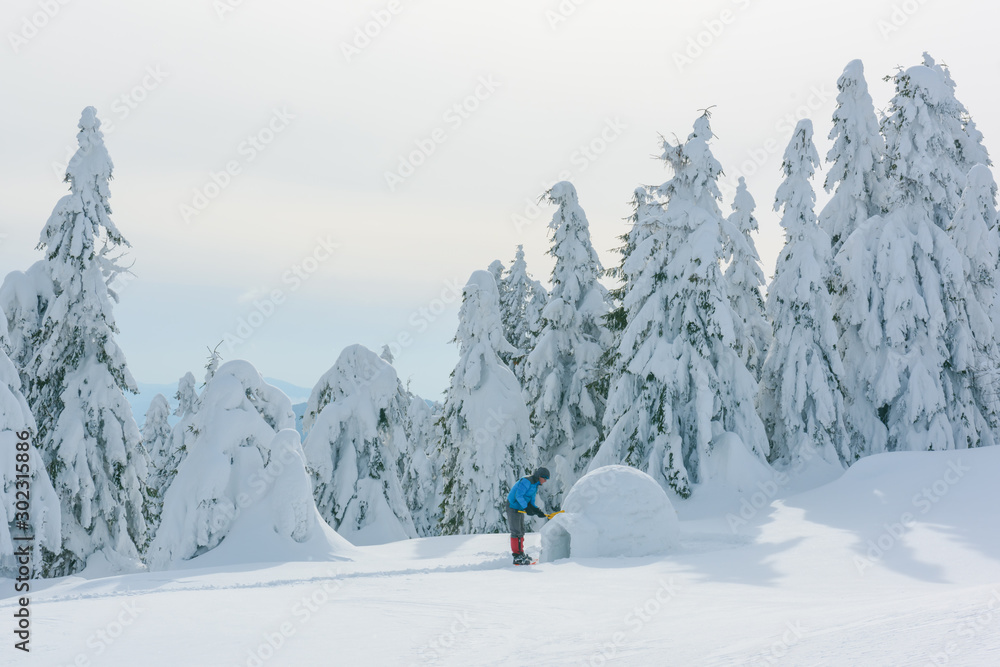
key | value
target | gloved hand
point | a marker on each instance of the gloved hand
(534, 511)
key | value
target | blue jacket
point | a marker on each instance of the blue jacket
(522, 494)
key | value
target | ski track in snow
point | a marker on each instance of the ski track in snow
(692, 544)
(493, 564)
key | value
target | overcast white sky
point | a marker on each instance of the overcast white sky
(184, 84)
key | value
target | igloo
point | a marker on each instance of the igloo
(611, 512)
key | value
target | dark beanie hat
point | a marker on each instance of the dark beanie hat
(542, 472)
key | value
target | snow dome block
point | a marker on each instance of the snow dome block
(612, 511)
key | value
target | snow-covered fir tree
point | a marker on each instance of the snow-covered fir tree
(166, 461)
(976, 363)
(911, 330)
(23, 479)
(418, 471)
(970, 146)
(158, 442)
(857, 170)
(497, 269)
(212, 365)
(564, 366)
(522, 300)
(680, 381)
(745, 278)
(187, 395)
(87, 434)
(485, 443)
(928, 148)
(386, 354)
(245, 466)
(354, 448)
(646, 218)
(801, 391)
(23, 298)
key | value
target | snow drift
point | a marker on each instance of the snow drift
(612, 511)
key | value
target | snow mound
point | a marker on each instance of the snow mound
(731, 464)
(612, 511)
(243, 489)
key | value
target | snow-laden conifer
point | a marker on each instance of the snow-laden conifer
(564, 366)
(166, 461)
(244, 456)
(86, 431)
(497, 269)
(24, 296)
(744, 279)
(857, 169)
(354, 449)
(911, 327)
(644, 221)
(485, 443)
(522, 300)
(680, 381)
(970, 146)
(158, 442)
(929, 150)
(801, 392)
(29, 506)
(187, 395)
(974, 367)
(418, 471)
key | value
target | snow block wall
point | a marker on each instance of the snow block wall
(612, 511)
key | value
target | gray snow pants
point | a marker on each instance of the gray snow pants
(515, 521)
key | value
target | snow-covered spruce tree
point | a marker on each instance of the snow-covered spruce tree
(23, 298)
(187, 395)
(22, 475)
(911, 330)
(244, 459)
(564, 365)
(355, 446)
(977, 238)
(928, 148)
(86, 432)
(417, 469)
(857, 171)
(680, 380)
(158, 442)
(212, 365)
(167, 461)
(497, 269)
(485, 444)
(744, 278)
(801, 392)
(970, 142)
(521, 303)
(644, 221)
(386, 354)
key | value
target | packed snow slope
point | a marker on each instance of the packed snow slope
(896, 562)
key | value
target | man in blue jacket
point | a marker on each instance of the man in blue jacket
(521, 501)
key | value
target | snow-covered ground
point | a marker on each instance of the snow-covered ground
(897, 562)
